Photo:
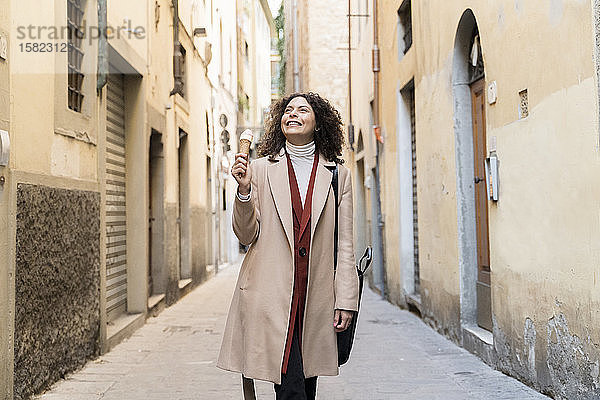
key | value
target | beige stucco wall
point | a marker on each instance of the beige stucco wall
(5, 279)
(199, 103)
(129, 53)
(50, 144)
(160, 58)
(174, 112)
(544, 229)
(362, 95)
(64, 140)
(54, 146)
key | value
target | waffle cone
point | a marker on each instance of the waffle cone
(245, 146)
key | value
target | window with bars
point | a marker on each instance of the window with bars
(405, 20)
(75, 14)
(180, 70)
(476, 69)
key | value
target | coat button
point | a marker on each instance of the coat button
(302, 252)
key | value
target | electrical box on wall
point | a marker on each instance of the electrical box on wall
(4, 148)
(492, 92)
(491, 176)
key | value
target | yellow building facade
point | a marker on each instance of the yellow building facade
(107, 201)
(501, 260)
(6, 324)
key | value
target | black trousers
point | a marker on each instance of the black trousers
(294, 386)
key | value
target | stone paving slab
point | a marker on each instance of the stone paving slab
(396, 357)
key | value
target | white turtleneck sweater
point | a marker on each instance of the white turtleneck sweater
(302, 158)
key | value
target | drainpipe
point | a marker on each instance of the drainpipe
(377, 129)
(296, 50)
(102, 47)
(350, 124)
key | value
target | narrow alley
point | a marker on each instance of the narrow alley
(138, 148)
(396, 356)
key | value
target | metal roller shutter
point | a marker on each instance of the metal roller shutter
(116, 227)
(417, 279)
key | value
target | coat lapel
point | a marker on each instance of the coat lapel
(321, 192)
(277, 175)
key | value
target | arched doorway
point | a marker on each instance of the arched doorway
(468, 87)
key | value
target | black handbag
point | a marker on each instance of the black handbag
(345, 339)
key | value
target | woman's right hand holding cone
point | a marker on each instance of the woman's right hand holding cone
(242, 173)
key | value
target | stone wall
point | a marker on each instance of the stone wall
(57, 284)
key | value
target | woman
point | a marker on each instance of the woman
(288, 304)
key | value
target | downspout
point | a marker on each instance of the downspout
(378, 142)
(296, 50)
(102, 47)
(350, 124)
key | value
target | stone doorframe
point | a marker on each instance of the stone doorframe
(475, 339)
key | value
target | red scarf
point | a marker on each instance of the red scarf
(301, 216)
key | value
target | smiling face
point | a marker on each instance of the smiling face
(298, 121)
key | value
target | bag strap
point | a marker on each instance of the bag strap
(334, 183)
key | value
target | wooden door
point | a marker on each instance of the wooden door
(484, 309)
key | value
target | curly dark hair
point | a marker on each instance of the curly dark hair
(329, 139)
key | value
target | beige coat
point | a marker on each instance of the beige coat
(257, 324)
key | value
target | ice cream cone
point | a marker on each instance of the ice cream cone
(246, 141)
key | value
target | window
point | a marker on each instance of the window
(75, 14)
(243, 103)
(180, 71)
(207, 132)
(246, 107)
(476, 70)
(360, 143)
(221, 51)
(405, 31)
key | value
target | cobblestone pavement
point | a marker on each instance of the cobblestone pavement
(396, 356)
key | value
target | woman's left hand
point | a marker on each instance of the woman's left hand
(342, 319)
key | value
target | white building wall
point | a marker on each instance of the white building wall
(222, 73)
(263, 62)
